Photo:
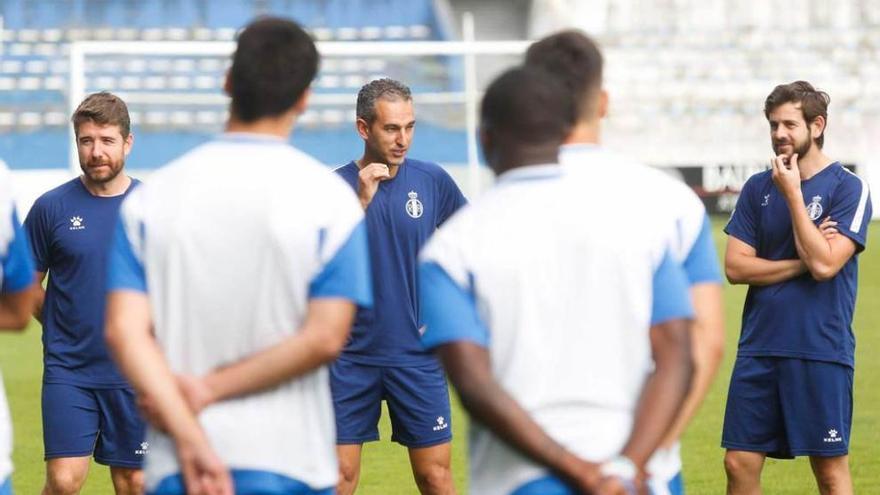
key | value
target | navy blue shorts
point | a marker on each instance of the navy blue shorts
(417, 398)
(79, 421)
(788, 407)
(248, 482)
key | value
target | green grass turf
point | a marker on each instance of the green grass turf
(386, 467)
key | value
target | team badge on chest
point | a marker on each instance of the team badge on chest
(414, 207)
(814, 209)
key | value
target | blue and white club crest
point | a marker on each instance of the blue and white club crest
(414, 206)
(814, 209)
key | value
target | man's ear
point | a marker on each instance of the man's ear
(602, 110)
(227, 84)
(817, 126)
(303, 102)
(488, 146)
(363, 128)
(127, 143)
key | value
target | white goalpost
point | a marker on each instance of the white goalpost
(467, 49)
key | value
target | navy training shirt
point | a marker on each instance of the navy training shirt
(70, 232)
(401, 217)
(801, 317)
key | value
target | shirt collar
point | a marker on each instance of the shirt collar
(579, 147)
(251, 137)
(531, 172)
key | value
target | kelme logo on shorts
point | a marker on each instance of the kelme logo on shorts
(144, 450)
(441, 424)
(832, 437)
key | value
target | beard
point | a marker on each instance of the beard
(101, 172)
(801, 148)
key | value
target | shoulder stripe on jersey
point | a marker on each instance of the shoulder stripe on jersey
(856, 224)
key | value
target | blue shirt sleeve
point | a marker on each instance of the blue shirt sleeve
(701, 263)
(125, 271)
(18, 266)
(743, 223)
(37, 225)
(448, 310)
(852, 209)
(453, 199)
(671, 299)
(347, 274)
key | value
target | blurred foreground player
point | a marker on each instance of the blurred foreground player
(569, 345)
(234, 280)
(88, 406)
(405, 201)
(794, 239)
(17, 293)
(576, 61)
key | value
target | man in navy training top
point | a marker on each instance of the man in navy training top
(405, 201)
(794, 239)
(88, 407)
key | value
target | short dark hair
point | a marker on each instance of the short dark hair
(375, 90)
(527, 106)
(103, 109)
(273, 65)
(575, 59)
(814, 103)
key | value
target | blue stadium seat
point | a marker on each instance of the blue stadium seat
(34, 81)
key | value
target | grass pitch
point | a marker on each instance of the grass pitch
(386, 466)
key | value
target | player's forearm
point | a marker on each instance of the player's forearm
(15, 309)
(295, 356)
(664, 391)
(812, 246)
(707, 349)
(493, 407)
(751, 270)
(39, 298)
(318, 342)
(131, 342)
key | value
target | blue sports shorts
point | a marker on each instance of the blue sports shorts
(417, 398)
(551, 485)
(787, 407)
(248, 482)
(79, 421)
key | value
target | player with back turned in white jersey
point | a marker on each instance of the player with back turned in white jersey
(17, 297)
(569, 345)
(245, 258)
(574, 59)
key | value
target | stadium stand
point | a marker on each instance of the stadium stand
(687, 77)
(34, 84)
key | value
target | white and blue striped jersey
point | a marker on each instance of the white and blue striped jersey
(230, 242)
(692, 246)
(563, 296)
(16, 274)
